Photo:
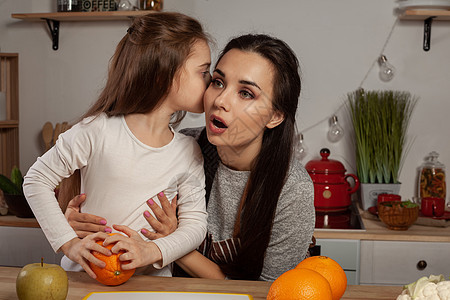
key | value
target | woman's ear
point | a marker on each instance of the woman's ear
(277, 119)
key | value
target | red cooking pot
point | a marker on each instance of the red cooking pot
(331, 189)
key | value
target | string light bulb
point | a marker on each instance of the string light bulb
(336, 131)
(300, 148)
(387, 71)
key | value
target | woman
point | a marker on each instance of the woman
(260, 200)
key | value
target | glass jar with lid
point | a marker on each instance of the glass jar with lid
(69, 5)
(432, 177)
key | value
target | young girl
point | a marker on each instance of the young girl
(127, 152)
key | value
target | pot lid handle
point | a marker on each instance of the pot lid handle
(325, 152)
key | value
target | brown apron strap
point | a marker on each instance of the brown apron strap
(237, 224)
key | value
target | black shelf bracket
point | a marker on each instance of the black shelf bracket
(427, 33)
(53, 27)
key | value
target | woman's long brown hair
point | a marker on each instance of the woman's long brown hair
(141, 72)
(270, 169)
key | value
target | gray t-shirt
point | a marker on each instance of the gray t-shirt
(294, 217)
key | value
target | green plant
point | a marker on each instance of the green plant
(12, 186)
(407, 204)
(380, 121)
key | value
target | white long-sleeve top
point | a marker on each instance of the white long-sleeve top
(119, 174)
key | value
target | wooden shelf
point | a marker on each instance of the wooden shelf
(53, 19)
(427, 16)
(9, 124)
(82, 16)
(423, 14)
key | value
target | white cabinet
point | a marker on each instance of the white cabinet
(346, 253)
(399, 263)
(20, 246)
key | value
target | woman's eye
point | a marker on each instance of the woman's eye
(217, 83)
(246, 94)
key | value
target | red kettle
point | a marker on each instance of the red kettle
(332, 191)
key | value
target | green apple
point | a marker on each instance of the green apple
(42, 281)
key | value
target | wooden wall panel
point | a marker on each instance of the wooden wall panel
(9, 128)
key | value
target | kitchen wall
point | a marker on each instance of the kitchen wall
(336, 42)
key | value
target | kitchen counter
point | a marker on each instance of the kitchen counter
(374, 230)
(13, 221)
(377, 230)
(80, 284)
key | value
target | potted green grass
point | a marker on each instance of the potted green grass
(13, 193)
(380, 121)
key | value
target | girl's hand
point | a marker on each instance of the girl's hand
(84, 224)
(166, 220)
(138, 252)
(79, 251)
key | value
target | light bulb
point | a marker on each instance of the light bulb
(336, 132)
(300, 148)
(387, 71)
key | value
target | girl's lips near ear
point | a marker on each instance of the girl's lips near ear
(217, 125)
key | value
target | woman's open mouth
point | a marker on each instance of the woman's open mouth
(217, 124)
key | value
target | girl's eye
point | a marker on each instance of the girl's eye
(206, 77)
(246, 95)
(217, 83)
(206, 74)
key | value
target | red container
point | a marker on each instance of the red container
(332, 191)
(388, 197)
(433, 206)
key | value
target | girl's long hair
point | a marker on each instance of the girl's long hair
(271, 166)
(142, 70)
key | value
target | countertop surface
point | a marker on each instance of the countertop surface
(377, 230)
(374, 230)
(80, 284)
(13, 221)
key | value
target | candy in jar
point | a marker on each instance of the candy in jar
(432, 177)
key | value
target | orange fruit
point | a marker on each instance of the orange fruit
(112, 274)
(329, 269)
(300, 284)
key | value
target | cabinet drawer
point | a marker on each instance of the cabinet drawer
(21, 246)
(396, 263)
(345, 253)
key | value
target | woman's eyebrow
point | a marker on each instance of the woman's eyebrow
(219, 72)
(250, 83)
(240, 81)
